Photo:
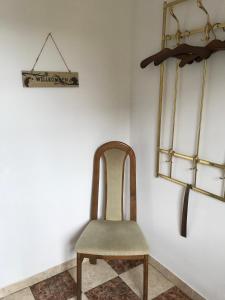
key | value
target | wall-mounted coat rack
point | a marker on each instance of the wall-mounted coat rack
(185, 54)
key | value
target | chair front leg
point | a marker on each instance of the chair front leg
(145, 278)
(79, 275)
(93, 260)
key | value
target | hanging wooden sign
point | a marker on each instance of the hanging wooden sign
(49, 79)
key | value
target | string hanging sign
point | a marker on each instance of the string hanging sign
(50, 79)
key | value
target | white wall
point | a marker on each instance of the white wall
(200, 259)
(48, 136)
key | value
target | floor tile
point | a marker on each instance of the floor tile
(94, 275)
(171, 294)
(121, 266)
(114, 289)
(59, 287)
(21, 295)
(157, 283)
(83, 297)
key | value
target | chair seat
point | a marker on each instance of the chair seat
(112, 238)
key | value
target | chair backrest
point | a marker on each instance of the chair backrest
(114, 155)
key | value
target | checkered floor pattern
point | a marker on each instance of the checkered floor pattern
(113, 280)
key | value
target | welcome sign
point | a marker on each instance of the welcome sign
(35, 79)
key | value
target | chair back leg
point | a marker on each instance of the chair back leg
(79, 275)
(145, 278)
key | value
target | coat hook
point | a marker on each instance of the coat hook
(209, 27)
(178, 34)
(170, 154)
(195, 163)
(219, 25)
(201, 6)
(169, 160)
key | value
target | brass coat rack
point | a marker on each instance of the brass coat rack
(196, 160)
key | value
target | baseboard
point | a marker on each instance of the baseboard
(15, 287)
(175, 280)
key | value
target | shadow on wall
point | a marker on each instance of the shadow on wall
(72, 241)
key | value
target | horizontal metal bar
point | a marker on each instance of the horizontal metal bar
(173, 3)
(211, 164)
(196, 189)
(176, 154)
(172, 179)
(192, 158)
(188, 33)
(183, 156)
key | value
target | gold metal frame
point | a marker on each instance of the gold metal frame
(170, 152)
(191, 32)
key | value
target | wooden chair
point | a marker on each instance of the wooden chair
(113, 237)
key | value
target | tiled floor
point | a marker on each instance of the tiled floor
(112, 280)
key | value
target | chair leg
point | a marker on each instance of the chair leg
(145, 278)
(79, 275)
(93, 260)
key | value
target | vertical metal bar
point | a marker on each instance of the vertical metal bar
(200, 121)
(223, 187)
(161, 88)
(174, 115)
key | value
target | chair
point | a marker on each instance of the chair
(113, 237)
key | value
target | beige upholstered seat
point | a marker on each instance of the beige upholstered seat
(113, 237)
(118, 238)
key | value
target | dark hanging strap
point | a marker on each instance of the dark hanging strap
(185, 211)
(42, 48)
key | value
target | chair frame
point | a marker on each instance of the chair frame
(94, 214)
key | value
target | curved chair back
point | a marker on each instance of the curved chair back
(114, 155)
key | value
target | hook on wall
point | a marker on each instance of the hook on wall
(209, 27)
(178, 34)
(201, 6)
